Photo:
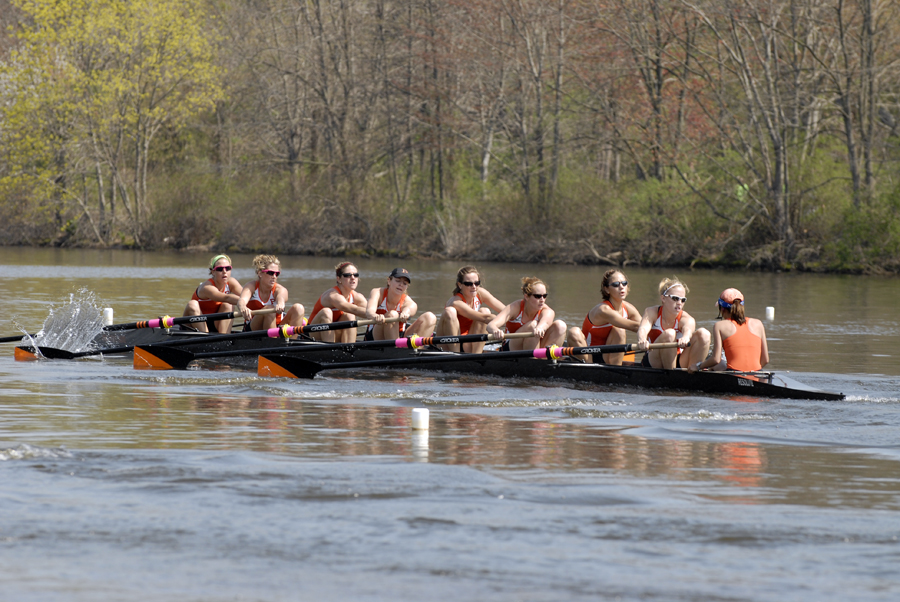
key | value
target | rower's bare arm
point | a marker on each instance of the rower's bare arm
(764, 349)
(338, 302)
(372, 306)
(644, 329)
(611, 316)
(236, 288)
(210, 292)
(495, 326)
(688, 326)
(462, 308)
(408, 310)
(490, 300)
(245, 298)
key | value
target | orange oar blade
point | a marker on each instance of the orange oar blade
(145, 360)
(265, 366)
(25, 354)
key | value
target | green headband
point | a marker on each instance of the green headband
(212, 262)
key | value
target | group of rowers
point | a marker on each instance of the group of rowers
(738, 342)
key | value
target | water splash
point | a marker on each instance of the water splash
(28, 452)
(73, 325)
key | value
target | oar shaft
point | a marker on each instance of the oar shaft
(162, 322)
(14, 338)
(168, 321)
(401, 343)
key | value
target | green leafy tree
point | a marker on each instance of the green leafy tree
(87, 89)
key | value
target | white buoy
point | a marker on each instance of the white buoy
(107, 316)
(770, 313)
(420, 419)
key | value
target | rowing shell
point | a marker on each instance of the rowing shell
(757, 384)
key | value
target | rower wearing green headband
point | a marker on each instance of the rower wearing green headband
(219, 294)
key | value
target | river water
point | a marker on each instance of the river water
(215, 484)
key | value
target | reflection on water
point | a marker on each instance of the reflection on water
(752, 474)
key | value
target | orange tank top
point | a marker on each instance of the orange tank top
(597, 335)
(742, 349)
(465, 324)
(517, 322)
(335, 314)
(208, 306)
(657, 328)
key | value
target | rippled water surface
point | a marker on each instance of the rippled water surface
(217, 484)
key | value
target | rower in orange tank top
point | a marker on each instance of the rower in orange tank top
(530, 314)
(468, 311)
(219, 294)
(669, 323)
(268, 269)
(340, 303)
(607, 322)
(742, 339)
(392, 301)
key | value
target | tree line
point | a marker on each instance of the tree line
(755, 133)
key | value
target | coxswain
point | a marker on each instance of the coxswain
(742, 339)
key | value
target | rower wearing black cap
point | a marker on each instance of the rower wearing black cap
(393, 301)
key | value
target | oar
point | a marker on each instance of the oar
(29, 353)
(161, 322)
(296, 367)
(16, 338)
(169, 322)
(168, 357)
(153, 361)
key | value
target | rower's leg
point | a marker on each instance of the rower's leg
(193, 309)
(294, 316)
(448, 326)
(382, 332)
(345, 335)
(616, 337)
(575, 338)
(422, 327)
(477, 328)
(664, 358)
(698, 350)
(555, 335)
(224, 326)
(325, 316)
(525, 344)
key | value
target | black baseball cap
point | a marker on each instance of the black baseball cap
(401, 273)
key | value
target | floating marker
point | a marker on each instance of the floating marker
(107, 316)
(770, 313)
(420, 419)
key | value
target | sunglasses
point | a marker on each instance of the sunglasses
(676, 298)
(476, 283)
(222, 268)
(618, 283)
(272, 273)
(536, 296)
(350, 275)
